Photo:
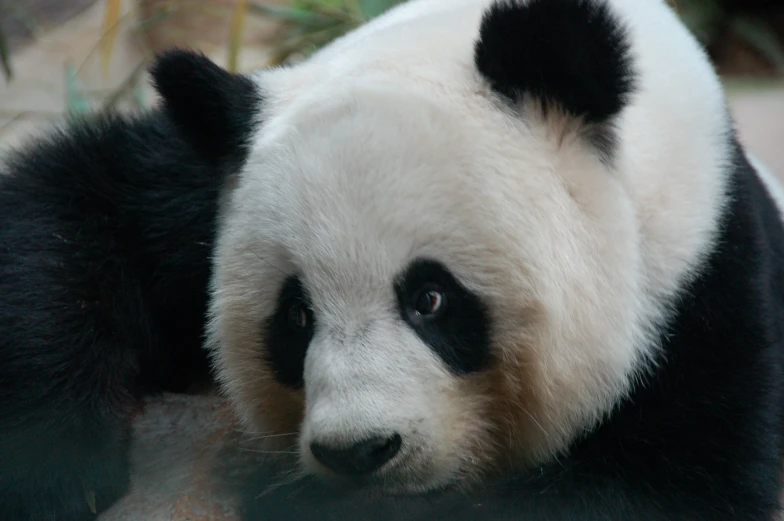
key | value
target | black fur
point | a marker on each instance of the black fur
(460, 335)
(286, 342)
(573, 53)
(106, 230)
(700, 439)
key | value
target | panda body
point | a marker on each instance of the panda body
(489, 272)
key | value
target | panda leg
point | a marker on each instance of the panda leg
(68, 372)
(68, 472)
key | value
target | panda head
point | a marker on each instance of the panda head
(454, 231)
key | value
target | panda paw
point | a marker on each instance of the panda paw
(67, 484)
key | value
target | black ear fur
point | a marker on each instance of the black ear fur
(215, 109)
(573, 53)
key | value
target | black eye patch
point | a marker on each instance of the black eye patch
(288, 332)
(448, 317)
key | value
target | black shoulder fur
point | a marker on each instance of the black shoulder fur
(105, 238)
(106, 232)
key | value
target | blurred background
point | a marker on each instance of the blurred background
(64, 57)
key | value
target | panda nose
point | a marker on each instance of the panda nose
(361, 458)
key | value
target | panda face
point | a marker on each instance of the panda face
(373, 285)
(440, 261)
(361, 296)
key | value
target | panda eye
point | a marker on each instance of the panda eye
(287, 333)
(299, 316)
(447, 316)
(429, 303)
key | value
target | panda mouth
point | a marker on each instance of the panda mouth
(403, 476)
(399, 487)
(402, 480)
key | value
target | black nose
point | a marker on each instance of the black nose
(361, 458)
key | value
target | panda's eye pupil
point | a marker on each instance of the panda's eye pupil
(298, 316)
(429, 302)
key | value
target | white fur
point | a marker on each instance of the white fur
(387, 145)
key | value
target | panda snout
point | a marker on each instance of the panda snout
(358, 459)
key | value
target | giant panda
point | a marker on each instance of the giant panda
(477, 259)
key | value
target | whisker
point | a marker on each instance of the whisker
(268, 263)
(253, 436)
(257, 451)
(287, 478)
(531, 416)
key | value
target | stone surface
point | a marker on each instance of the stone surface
(188, 460)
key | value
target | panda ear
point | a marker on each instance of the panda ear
(573, 53)
(215, 109)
